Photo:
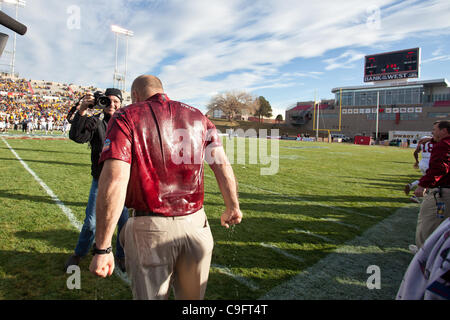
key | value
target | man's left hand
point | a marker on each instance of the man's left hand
(102, 265)
(230, 217)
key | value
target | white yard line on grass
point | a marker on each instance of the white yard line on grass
(275, 248)
(238, 278)
(73, 220)
(339, 222)
(312, 234)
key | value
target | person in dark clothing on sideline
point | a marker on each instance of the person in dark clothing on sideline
(93, 130)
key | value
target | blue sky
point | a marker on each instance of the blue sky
(284, 50)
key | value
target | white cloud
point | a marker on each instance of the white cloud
(200, 47)
(438, 58)
(437, 52)
(345, 60)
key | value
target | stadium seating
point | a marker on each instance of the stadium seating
(24, 100)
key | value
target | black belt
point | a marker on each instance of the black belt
(138, 213)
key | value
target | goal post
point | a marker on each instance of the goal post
(316, 122)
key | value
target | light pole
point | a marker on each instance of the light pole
(378, 112)
(118, 76)
(17, 3)
(318, 107)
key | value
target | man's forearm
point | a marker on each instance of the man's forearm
(227, 185)
(226, 180)
(110, 200)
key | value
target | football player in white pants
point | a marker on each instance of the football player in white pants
(425, 145)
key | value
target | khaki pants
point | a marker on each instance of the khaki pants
(428, 220)
(165, 251)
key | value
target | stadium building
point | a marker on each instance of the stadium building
(404, 108)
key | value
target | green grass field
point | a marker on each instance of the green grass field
(323, 197)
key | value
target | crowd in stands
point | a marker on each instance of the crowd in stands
(30, 105)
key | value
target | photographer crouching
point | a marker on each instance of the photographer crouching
(93, 130)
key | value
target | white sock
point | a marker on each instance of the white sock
(413, 184)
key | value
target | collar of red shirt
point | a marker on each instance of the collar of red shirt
(161, 97)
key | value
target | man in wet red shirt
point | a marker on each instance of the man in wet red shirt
(434, 186)
(154, 156)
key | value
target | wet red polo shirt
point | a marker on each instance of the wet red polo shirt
(165, 142)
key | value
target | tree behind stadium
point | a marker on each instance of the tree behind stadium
(279, 118)
(232, 103)
(263, 108)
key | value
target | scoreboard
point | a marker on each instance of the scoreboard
(403, 64)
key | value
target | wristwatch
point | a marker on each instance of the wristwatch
(95, 250)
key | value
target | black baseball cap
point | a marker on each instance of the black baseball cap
(114, 92)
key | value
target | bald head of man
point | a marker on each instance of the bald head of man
(144, 87)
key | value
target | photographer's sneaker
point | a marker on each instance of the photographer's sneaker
(73, 260)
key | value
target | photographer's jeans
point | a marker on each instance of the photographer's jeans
(87, 234)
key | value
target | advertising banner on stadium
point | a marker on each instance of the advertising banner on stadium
(389, 66)
(395, 76)
(411, 135)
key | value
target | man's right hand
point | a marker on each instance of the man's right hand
(87, 101)
(230, 217)
(102, 265)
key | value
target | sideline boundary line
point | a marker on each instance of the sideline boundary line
(73, 220)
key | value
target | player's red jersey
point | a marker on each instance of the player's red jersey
(166, 143)
(438, 173)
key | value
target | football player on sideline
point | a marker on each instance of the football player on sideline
(425, 145)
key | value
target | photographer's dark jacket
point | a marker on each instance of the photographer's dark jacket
(91, 129)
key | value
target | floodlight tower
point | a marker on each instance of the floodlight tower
(17, 3)
(118, 77)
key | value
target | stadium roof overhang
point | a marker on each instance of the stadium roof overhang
(436, 82)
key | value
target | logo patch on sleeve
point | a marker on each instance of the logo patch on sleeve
(106, 145)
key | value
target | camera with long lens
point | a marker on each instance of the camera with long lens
(100, 101)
